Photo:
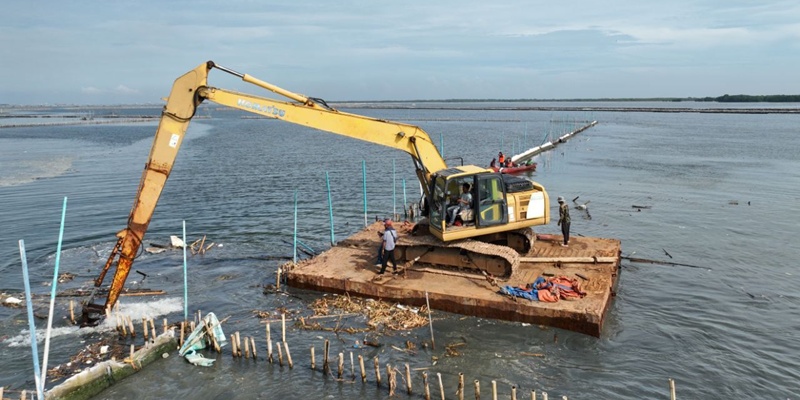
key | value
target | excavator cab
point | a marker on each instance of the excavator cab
(489, 205)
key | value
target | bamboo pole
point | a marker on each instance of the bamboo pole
(288, 355)
(441, 386)
(325, 366)
(183, 328)
(533, 394)
(672, 389)
(494, 390)
(460, 391)
(390, 379)
(361, 367)
(544, 395)
(185, 279)
(233, 345)
(377, 371)
(425, 385)
(253, 346)
(477, 390)
(246, 348)
(330, 205)
(269, 344)
(71, 314)
(165, 325)
(283, 327)
(278, 279)
(313, 359)
(130, 325)
(340, 369)
(352, 367)
(513, 392)
(408, 379)
(430, 320)
(280, 355)
(144, 328)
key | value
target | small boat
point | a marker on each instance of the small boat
(515, 170)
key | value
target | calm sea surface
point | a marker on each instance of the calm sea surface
(723, 192)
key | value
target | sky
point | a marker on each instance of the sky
(130, 52)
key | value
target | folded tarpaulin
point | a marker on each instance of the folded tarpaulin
(199, 339)
(530, 294)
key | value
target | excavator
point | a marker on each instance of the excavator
(489, 235)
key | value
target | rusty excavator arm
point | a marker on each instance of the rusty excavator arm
(188, 92)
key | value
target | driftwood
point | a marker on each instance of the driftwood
(645, 260)
(642, 207)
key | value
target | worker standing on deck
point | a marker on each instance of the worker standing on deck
(563, 219)
(389, 242)
(501, 159)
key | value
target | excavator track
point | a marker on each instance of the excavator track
(499, 261)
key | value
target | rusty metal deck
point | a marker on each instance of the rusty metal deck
(349, 268)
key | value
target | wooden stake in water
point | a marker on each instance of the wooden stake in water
(144, 328)
(71, 314)
(460, 390)
(280, 355)
(325, 367)
(408, 379)
(183, 328)
(477, 390)
(253, 346)
(278, 279)
(361, 368)
(330, 206)
(313, 359)
(430, 320)
(441, 386)
(288, 355)
(233, 345)
(377, 371)
(185, 279)
(165, 325)
(390, 379)
(364, 178)
(544, 395)
(283, 327)
(513, 392)
(294, 245)
(341, 366)
(269, 344)
(352, 367)
(246, 348)
(425, 385)
(494, 390)
(672, 389)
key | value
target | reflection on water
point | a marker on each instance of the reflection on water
(722, 191)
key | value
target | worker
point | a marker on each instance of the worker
(501, 159)
(563, 220)
(463, 203)
(493, 164)
(389, 242)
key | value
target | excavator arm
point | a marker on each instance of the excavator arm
(191, 89)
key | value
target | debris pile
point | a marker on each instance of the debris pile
(379, 314)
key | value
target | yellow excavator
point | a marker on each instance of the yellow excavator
(488, 235)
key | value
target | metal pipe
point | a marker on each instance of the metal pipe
(53, 296)
(31, 325)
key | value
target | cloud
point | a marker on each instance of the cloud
(122, 89)
(91, 90)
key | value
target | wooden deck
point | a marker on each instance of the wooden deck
(349, 268)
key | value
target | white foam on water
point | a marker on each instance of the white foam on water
(135, 310)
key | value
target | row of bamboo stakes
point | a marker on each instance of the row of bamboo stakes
(248, 349)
